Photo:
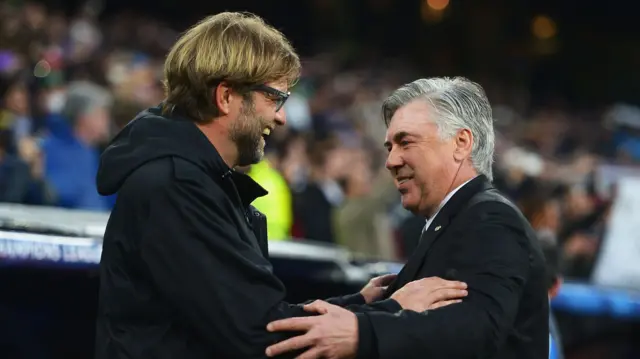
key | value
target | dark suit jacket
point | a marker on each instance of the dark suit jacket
(481, 238)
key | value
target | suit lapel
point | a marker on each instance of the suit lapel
(438, 226)
(427, 239)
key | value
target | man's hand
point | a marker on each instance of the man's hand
(331, 335)
(429, 293)
(374, 290)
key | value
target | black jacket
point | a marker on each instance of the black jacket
(184, 270)
(481, 238)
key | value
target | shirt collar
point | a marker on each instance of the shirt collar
(445, 200)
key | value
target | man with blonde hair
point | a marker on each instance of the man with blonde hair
(184, 269)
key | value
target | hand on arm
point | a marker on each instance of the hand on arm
(334, 334)
(429, 293)
(375, 289)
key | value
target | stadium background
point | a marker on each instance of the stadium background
(562, 77)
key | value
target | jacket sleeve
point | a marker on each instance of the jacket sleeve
(346, 300)
(356, 304)
(494, 261)
(219, 283)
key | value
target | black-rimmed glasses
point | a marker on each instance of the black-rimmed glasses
(277, 96)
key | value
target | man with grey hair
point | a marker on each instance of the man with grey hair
(84, 98)
(440, 140)
(70, 148)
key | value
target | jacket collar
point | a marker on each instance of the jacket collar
(455, 204)
(247, 188)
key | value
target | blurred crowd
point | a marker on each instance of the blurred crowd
(68, 83)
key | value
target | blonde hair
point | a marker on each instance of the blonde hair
(239, 49)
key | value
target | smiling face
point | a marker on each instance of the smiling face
(258, 115)
(423, 165)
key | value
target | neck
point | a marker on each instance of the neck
(464, 173)
(219, 138)
(461, 179)
(462, 176)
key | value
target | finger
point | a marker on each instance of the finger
(444, 303)
(447, 294)
(438, 283)
(310, 308)
(292, 324)
(313, 353)
(384, 280)
(430, 282)
(290, 344)
(452, 284)
(318, 306)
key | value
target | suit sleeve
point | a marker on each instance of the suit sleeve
(219, 283)
(356, 304)
(346, 300)
(494, 262)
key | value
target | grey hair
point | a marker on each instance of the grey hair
(459, 103)
(82, 97)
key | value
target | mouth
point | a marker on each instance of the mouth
(403, 180)
(266, 133)
(400, 182)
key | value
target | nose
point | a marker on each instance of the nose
(281, 117)
(394, 161)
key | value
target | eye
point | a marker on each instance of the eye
(273, 97)
(404, 143)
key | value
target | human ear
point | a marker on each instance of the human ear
(222, 98)
(463, 145)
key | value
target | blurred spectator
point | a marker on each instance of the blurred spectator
(294, 164)
(315, 204)
(542, 208)
(14, 173)
(625, 122)
(123, 112)
(298, 112)
(582, 232)
(277, 205)
(21, 177)
(540, 205)
(71, 146)
(15, 105)
(362, 224)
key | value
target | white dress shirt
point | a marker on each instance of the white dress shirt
(444, 201)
